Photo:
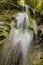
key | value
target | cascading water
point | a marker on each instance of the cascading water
(22, 34)
(35, 28)
(19, 39)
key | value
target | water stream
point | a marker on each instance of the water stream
(20, 36)
(25, 37)
(35, 28)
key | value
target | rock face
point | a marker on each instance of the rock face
(40, 30)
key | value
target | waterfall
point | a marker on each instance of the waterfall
(19, 40)
(25, 37)
(35, 27)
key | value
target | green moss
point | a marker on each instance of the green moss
(39, 63)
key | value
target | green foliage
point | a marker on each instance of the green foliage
(7, 4)
(32, 3)
(40, 63)
(21, 2)
(35, 4)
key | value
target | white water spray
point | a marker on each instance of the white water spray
(35, 27)
(21, 36)
(24, 38)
